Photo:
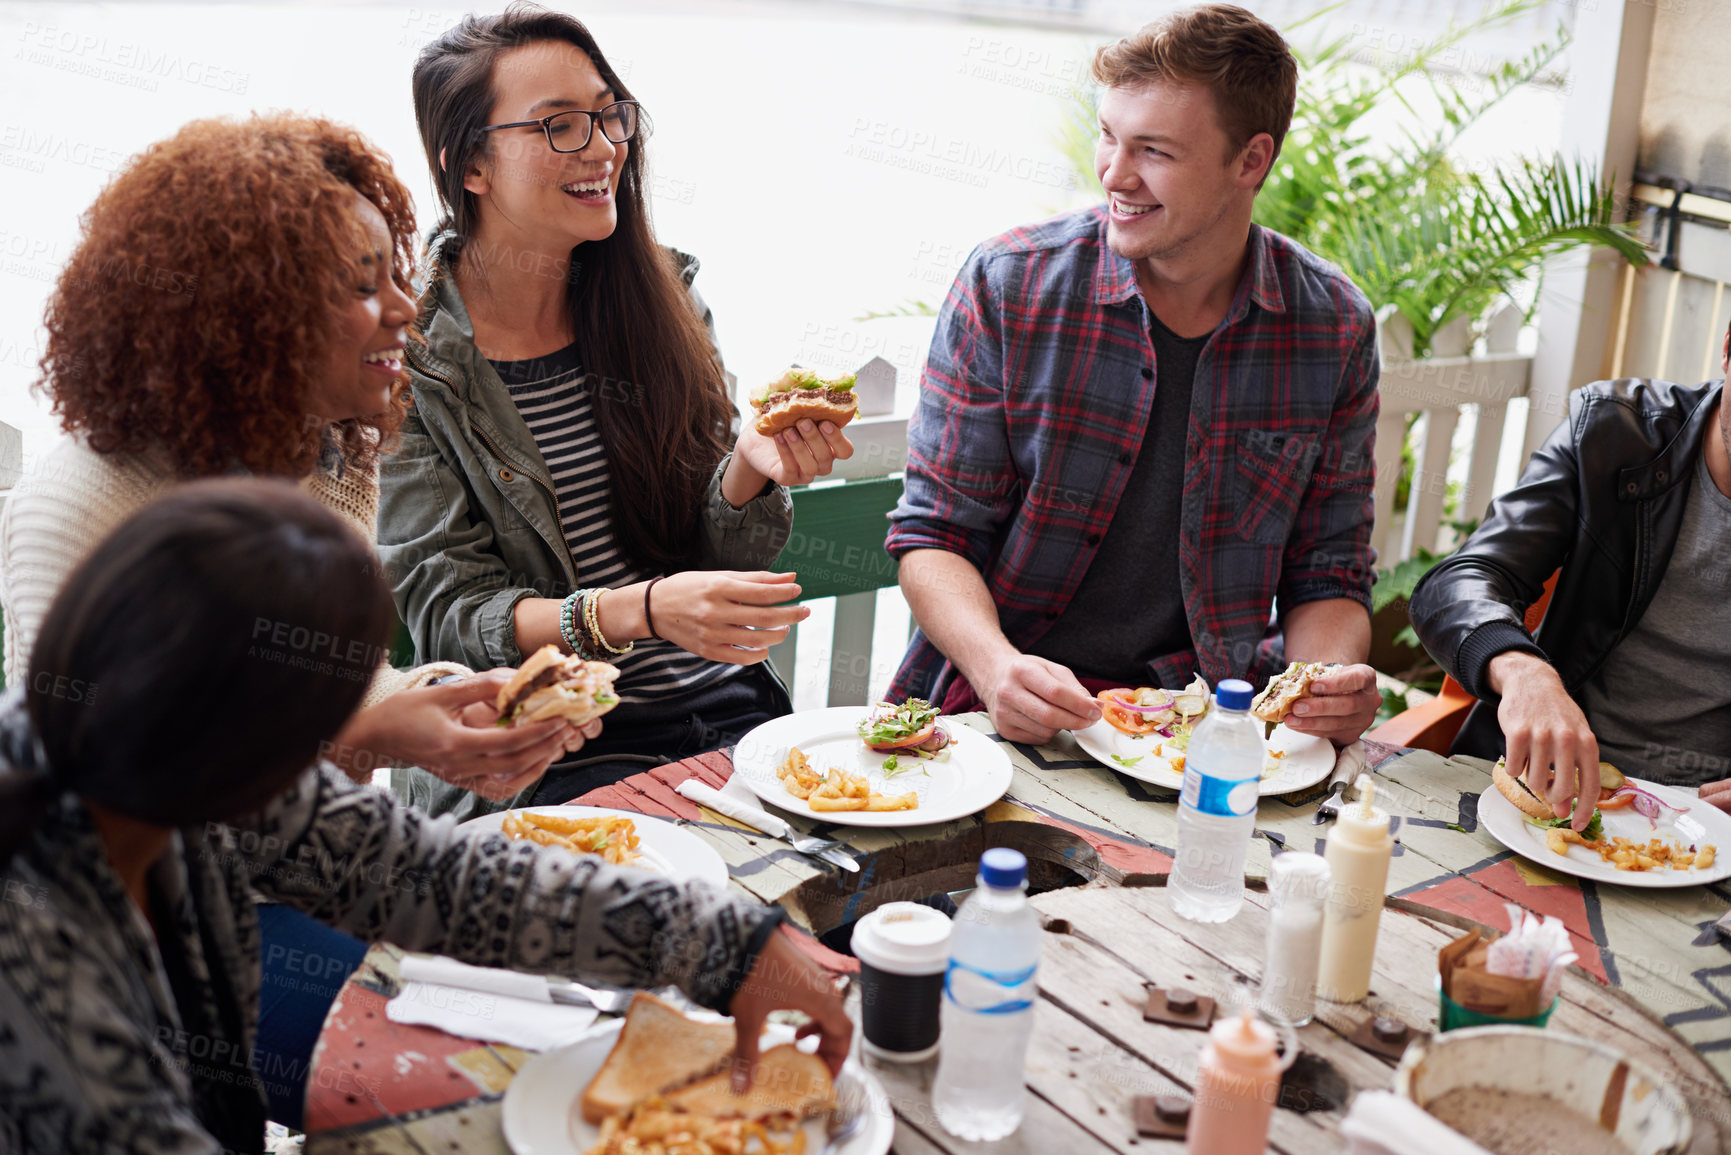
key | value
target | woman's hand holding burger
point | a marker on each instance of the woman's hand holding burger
(796, 456)
(450, 729)
(791, 434)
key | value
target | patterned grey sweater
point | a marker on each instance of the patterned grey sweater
(112, 1039)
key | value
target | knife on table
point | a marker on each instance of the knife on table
(765, 823)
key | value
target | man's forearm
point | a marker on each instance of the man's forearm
(1330, 630)
(952, 605)
(1511, 666)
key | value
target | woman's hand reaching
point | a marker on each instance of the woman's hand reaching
(726, 615)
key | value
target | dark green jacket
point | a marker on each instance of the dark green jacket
(468, 519)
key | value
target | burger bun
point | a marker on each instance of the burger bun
(785, 411)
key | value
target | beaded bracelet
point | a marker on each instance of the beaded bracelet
(568, 619)
(592, 621)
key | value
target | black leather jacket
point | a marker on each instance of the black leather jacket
(1602, 500)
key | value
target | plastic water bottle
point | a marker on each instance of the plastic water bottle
(988, 1007)
(1217, 808)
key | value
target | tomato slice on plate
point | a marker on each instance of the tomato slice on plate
(1122, 720)
(913, 739)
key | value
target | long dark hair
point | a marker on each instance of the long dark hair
(630, 313)
(192, 666)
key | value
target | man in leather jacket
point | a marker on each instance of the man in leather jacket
(1629, 503)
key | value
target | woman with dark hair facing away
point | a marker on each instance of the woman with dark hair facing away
(565, 475)
(236, 304)
(154, 774)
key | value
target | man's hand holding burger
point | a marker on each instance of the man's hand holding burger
(1545, 733)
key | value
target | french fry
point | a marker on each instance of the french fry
(836, 790)
(1705, 858)
(820, 802)
(615, 839)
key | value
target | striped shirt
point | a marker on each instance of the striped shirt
(553, 395)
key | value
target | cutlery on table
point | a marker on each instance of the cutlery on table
(1330, 807)
(825, 849)
(1349, 763)
(609, 1001)
(512, 984)
(849, 1116)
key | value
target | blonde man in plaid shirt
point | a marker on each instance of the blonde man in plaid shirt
(1143, 447)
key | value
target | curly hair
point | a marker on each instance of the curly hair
(195, 315)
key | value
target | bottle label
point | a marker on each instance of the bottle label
(1218, 796)
(988, 992)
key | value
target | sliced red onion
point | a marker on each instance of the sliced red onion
(1647, 804)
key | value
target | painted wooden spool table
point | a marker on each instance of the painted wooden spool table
(1654, 977)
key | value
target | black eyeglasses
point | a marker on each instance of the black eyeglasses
(572, 131)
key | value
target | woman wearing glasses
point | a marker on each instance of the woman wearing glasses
(568, 473)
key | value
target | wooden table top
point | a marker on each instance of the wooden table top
(1651, 976)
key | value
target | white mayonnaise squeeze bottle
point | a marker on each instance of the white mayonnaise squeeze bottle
(1359, 848)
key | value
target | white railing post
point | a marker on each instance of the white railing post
(1501, 334)
(1438, 386)
(1608, 53)
(1394, 347)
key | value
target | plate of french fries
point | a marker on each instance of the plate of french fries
(815, 765)
(1688, 844)
(540, 1114)
(619, 837)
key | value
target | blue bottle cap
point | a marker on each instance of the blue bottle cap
(1233, 694)
(1003, 868)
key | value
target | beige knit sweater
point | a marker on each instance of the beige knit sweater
(74, 497)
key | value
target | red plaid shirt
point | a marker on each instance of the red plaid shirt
(1034, 405)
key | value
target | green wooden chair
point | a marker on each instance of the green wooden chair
(837, 548)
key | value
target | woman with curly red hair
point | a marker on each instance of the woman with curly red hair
(237, 305)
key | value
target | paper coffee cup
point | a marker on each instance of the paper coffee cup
(903, 950)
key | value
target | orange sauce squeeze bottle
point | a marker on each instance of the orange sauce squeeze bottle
(1237, 1084)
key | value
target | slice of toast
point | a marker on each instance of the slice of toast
(788, 1081)
(658, 1049)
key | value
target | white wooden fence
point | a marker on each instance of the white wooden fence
(1452, 382)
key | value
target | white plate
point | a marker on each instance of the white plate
(1700, 823)
(540, 1113)
(1308, 759)
(661, 845)
(974, 776)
